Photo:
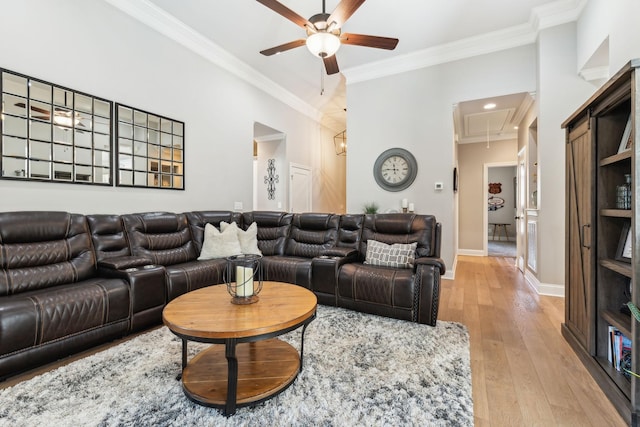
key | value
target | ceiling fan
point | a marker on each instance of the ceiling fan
(324, 35)
(61, 116)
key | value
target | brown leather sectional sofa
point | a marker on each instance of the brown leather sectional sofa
(69, 281)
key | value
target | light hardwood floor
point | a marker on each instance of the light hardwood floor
(523, 371)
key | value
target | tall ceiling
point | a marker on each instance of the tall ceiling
(242, 28)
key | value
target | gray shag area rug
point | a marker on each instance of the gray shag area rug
(359, 370)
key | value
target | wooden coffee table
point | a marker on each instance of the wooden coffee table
(252, 365)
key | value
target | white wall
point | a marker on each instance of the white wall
(617, 20)
(472, 194)
(413, 110)
(505, 215)
(92, 47)
(560, 92)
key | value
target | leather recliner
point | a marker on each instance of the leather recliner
(52, 303)
(309, 236)
(146, 280)
(402, 293)
(166, 239)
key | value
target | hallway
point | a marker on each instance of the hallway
(524, 373)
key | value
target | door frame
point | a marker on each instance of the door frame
(309, 171)
(521, 208)
(485, 211)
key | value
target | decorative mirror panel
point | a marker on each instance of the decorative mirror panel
(150, 149)
(52, 133)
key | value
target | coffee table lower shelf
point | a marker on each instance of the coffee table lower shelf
(265, 368)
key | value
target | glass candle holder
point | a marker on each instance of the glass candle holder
(244, 278)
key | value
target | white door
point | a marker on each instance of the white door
(521, 197)
(300, 188)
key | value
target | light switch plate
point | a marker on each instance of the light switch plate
(237, 206)
(439, 186)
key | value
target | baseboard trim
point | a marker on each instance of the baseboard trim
(472, 252)
(450, 274)
(547, 289)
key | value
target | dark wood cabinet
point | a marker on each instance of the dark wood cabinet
(601, 241)
(580, 254)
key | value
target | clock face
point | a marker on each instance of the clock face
(395, 169)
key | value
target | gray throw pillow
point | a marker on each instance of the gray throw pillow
(399, 255)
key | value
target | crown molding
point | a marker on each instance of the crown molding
(465, 48)
(167, 25)
(556, 13)
(595, 74)
(269, 138)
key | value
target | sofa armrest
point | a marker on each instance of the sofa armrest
(324, 272)
(124, 262)
(428, 271)
(147, 289)
(339, 251)
(436, 262)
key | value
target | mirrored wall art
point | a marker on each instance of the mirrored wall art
(52, 133)
(150, 150)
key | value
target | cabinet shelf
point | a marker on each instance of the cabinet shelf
(620, 380)
(619, 320)
(616, 158)
(616, 213)
(617, 266)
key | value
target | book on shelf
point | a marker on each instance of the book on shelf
(619, 350)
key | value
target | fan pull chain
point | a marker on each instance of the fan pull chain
(321, 79)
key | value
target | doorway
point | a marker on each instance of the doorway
(500, 223)
(269, 169)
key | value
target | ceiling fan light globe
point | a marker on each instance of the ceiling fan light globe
(323, 44)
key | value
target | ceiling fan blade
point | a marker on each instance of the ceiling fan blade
(283, 47)
(283, 10)
(343, 11)
(34, 108)
(369, 41)
(331, 64)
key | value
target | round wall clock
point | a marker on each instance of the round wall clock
(395, 169)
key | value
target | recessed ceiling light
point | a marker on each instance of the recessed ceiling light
(515, 127)
(489, 106)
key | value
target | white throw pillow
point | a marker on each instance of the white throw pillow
(220, 244)
(248, 239)
(399, 255)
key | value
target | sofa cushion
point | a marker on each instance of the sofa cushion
(163, 237)
(35, 318)
(400, 228)
(311, 234)
(199, 219)
(273, 229)
(391, 287)
(398, 255)
(248, 238)
(220, 244)
(43, 249)
(188, 276)
(289, 269)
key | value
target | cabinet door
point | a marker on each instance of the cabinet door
(580, 274)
